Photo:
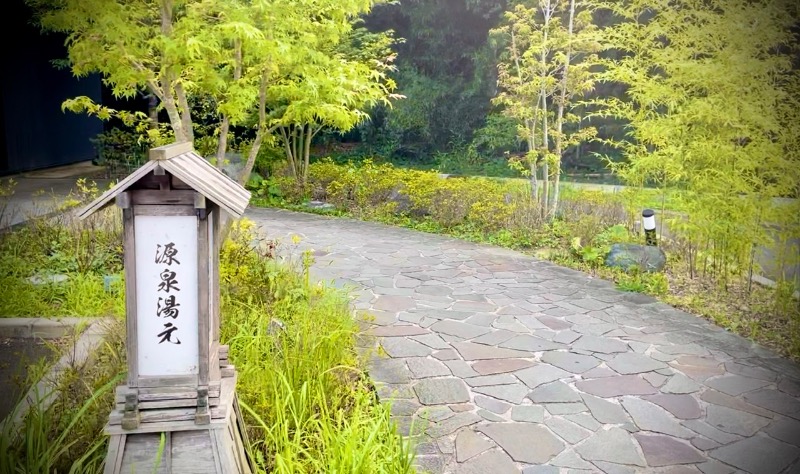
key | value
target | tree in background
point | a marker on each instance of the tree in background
(712, 102)
(544, 71)
(446, 71)
(250, 58)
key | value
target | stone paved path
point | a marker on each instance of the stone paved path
(508, 364)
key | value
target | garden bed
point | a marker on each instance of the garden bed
(702, 281)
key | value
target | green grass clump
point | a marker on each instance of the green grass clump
(310, 406)
(307, 402)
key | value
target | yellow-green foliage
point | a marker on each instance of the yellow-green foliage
(310, 406)
(382, 189)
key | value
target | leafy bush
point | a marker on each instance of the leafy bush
(121, 151)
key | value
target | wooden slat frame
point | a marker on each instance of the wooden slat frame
(164, 210)
(129, 261)
(172, 150)
(158, 197)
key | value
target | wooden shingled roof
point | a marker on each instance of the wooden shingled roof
(180, 160)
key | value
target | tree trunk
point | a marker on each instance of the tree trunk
(547, 10)
(222, 143)
(560, 118)
(168, 82)
(260, 133)
(152, 110)
(306, 155)
(186, 113)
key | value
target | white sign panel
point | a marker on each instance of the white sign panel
(166, 292)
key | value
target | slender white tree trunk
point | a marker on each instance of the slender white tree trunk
(561, 105)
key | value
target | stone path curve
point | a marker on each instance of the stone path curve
(510, 364)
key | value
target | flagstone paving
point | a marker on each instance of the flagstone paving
(502, 363)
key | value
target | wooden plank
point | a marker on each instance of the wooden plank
(173, 403)
(129, 262)
(194, 452)
(165, 393)
(159, 197)
(168, 381)
(227, 371)
(123, 200)
(172, 150)
(116, 449)
(173, 426)
(215, 445)
(169, 415)
(204, 333)
(145, 210)
(107, 196)
(214, 292)
(209, 181)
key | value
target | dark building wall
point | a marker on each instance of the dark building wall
(34, 132)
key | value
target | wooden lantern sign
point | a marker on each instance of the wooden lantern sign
(179, 381)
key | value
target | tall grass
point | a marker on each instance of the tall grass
(309, 406)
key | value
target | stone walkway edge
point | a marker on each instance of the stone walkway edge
(497, 362)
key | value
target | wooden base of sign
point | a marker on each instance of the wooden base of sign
(169, 437)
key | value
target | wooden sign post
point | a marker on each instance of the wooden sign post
(180, 384)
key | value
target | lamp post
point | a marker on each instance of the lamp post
(649, 224)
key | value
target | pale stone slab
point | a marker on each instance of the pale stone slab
(584, 420)
(776, 401)
(568, 431)
(571, 362)
(498, 366)
(459, 329)
(605, 411)
(516, 439)
(461, 369)
(389, 371)
(710, 432)
(735, 421)
(751, 371)
(452, 424)
(441, 391)
(510, 393)
(570, 460)
(494, 337)
(394, 331)
(613, 445)
(566, 337)
(491, 404)
(496, 462)
(758, 454)
(718, 398)
(600, 344)
(432, 340)
(486, 380)
(684, 407)
(424, 368)
(470, 444)
(393, 303)
(651, 417)
(680, 384)
(616, 386)
(403, 347)
(662, 450)
(632, 363)
(785, 430)
(564, 408)
(471, 351)
(735, 384)
(528, 343)
(528, 413)
(554, 392)
(541, 374)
